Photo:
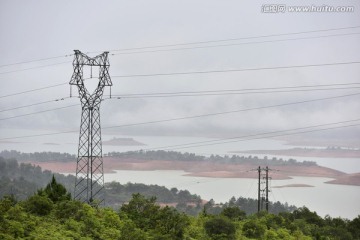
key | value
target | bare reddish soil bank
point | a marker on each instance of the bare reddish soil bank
(206, 169)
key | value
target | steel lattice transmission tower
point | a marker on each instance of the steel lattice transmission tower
(89, 170)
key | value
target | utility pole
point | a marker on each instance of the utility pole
(89, 167)
(267, 189)
(259, 186)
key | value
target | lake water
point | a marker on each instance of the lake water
(335, 200)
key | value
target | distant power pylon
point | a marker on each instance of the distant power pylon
(263, 193)
(89, 169)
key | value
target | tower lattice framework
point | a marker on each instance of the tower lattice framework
(89, 169)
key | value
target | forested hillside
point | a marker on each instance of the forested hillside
(23, 179)
(37, 156)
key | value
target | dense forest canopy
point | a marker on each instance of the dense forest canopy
(51, 214)
(178, 156)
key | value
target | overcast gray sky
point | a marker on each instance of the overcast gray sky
(32, 30)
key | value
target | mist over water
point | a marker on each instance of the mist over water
(69, 142)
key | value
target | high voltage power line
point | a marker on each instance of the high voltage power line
(236, 139)
(188, 43)
(230, 39)
(60, 108)
(256, 136)
(37, 89)
(234, 44)
(187, 117)
(199, 94)
(35, 104)
(236, 70)
(126, 50)
(229, 112)
(42, 66)
(210, 93)
(33, 90)
(199, 72)
(244, 89)
(35, 60)
(48, 110)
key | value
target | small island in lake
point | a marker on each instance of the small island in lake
(123, 142)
